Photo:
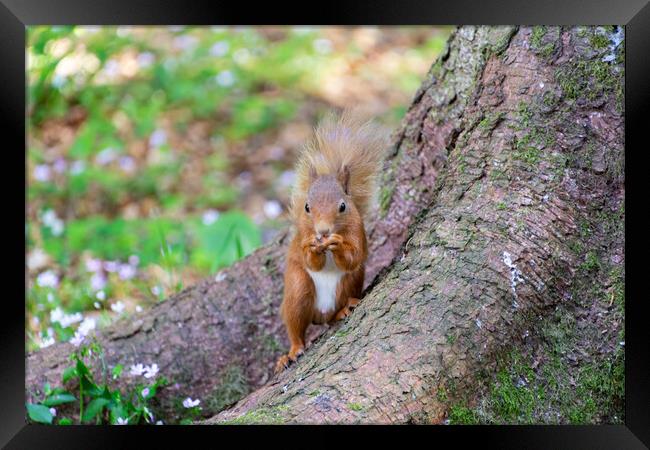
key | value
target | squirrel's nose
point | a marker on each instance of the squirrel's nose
(324, 232)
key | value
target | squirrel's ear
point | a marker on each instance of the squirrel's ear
(344, 178)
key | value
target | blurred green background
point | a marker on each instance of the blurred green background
(158, 155)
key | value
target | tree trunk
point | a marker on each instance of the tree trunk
(226, 330)
(505, 152)
(526, 216)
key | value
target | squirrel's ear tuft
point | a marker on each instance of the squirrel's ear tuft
(344, 178)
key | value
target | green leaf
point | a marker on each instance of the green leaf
(82, 370)
(106, 393)
(91, 388)
(94, 408)
(117, 371)
(58, 399)
(39, 413)
(68, 374)
(65, 421)
(230, 238)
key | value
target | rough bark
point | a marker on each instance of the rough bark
(230, 322)
(530, 124)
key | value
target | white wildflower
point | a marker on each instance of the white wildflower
(185, 42)
(121, 421)
(106, 156)
(42, 173)
(272, 209)
(118, 307)
(111, 266)
(57, 315)
(96, 305)
(111, 68)
(59, 165)
(151, 371)
(225, 78)
(87, 325)
(57, 227)
(145, 392)
(134, 260)
(137, 370)
(77, 339)
(77, 167)
(48, 217)
(127, 164)
(58, 80)
(189, 403)
(160, 422)
(126, 271)
(210, 217)
(100, 295)
(219, 48)
(155, 290)
(138, 308)
(37, 259)
(47, 279)
(46, 342)
(97, 282)
(157, 138)
(53, 412)
(93, 265)
(145, 59)
(287, 178)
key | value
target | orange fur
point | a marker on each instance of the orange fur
(335, 184)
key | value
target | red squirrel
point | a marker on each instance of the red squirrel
(335, 184)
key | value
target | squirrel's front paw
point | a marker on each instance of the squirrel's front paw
(314, 245)
(318, 247)
(334, 241)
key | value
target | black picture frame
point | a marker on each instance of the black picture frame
(16, 15)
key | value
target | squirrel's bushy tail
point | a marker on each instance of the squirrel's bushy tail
(339, 142)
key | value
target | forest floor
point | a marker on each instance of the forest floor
(158, 155)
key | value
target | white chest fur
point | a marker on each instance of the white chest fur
(326, 281)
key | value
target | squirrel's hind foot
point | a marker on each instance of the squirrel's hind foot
(283, 363)
(347, 309)
(285, 360)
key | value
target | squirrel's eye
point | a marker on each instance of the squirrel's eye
(307, 207)
(342, 207)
